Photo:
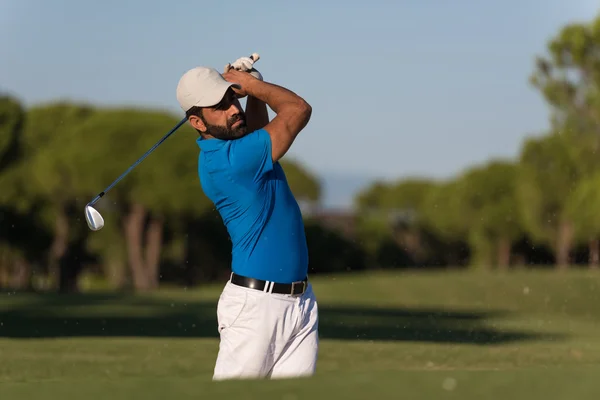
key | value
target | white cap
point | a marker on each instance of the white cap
(202, 87)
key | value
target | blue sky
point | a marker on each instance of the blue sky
(398, 88)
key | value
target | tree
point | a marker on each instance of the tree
(166, 188)
(12, 240)
(443, 214)
(305, 186)
(548, 174)
(11, 124)
(583, 208)
(404, 195)
(488, 197)
(49, 179)
(164, 183)
(373, 225)
(393, 222)
(568, 77)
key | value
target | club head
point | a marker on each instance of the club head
(93, 218)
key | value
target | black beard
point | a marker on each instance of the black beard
(227, 132)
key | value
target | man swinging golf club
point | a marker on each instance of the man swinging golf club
(267, 313)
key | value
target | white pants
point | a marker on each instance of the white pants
(266, 335)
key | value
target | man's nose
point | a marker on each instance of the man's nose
(234, 109)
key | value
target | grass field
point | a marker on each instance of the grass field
(524, 335)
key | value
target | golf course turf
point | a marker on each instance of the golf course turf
(446, 335)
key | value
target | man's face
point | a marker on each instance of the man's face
(224, 121)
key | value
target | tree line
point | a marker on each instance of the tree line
(160, 227)
(543, 207)
(540, 208)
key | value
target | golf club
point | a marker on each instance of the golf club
(92, 216)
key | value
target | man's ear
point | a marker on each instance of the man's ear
(197, 123)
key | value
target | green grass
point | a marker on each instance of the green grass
(453, 335)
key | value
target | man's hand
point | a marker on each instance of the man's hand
(245, 64)
(244, 79)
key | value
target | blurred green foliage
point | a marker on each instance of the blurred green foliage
(540, 208)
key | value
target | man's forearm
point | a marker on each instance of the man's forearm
(273, 95)
(293, 112)
(257, 115)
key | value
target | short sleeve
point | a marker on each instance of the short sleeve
(250, 156)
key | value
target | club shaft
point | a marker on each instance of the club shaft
(146, 154)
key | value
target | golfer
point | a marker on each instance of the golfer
(267, 313)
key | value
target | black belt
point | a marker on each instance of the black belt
(274, 287)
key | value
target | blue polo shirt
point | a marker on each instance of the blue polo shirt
(256, 204)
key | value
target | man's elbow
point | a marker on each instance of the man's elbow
(305, 110)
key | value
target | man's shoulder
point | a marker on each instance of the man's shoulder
(251, 141)
(224, 148)
(243, 161)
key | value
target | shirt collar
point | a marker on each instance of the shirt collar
(209, 144)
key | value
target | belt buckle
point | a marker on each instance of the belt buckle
(294, 285)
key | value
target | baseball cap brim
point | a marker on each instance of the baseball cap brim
(214, 96)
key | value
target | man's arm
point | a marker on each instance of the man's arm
(293, 112)
(257, 116)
